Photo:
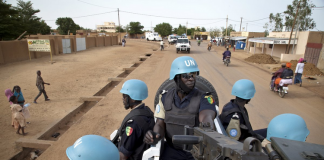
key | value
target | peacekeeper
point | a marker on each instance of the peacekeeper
(92, 147)
(182, 105)
(134, 126)
(235, 117)
(287, 126)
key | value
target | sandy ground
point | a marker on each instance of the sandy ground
(107, 115)
(71, 77)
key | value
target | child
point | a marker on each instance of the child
(17, 92)
(8, 94)
(19, 121)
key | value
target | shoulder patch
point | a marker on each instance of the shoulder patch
(233, 132)
(129, 130)
(210, 99)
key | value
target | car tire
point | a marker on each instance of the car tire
(201, 83)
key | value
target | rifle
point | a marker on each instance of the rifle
(207, 144)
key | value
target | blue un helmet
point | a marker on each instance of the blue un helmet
(135, 89)
(184, 64)
(92, 147)
(244, 89)
(288, 126)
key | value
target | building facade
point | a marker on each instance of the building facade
(107, 27)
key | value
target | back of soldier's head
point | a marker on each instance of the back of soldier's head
(288, 126)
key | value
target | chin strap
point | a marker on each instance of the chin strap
(181, 87)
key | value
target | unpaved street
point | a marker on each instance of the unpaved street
(107, 115)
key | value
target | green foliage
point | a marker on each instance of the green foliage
(31, 23)
(303, 18)
(203, 29)
(180, 30)
(66, 24)
(121, 29)
(275, 22)
(164, 29)
(102, 31)
(135, 28)
(266, 32)
(229, 30)
(214, 32)
(9, 22)
(15, 20)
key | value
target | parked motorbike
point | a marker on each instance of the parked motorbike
(227, 60)
(282, 90)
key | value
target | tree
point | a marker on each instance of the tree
(66, 24)
(303, 17)
(30, 22)
(9, 22)
(164, 29)
(135, 28)
(203, 29)
(121, 29)
(266, 32)
(229, 30)
(275, 22)
(214, 32)
(180, 30)
(103, 31)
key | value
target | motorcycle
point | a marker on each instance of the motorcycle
(227, 60)
(282, 90)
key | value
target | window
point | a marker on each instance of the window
(270, 45)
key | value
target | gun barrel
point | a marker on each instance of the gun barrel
(186, 139)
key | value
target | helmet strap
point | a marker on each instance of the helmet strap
(181, 87)
(127, 105)
(130, 104)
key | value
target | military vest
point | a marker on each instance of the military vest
(176, 118)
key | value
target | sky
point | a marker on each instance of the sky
(202, 13)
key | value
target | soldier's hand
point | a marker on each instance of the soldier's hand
(151, 137)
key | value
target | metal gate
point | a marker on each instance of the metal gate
(66, 44)
(81, 44)
(312, 53)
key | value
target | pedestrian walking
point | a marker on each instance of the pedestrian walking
(234, 47)
(123, 42)
(40, 85)
(299, 71)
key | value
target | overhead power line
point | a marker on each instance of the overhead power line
(95, 5)
(88, 15)
(168, 17)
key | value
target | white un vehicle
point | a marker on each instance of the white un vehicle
(149, 36)
(183, 44)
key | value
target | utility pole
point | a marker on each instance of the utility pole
(292, 28)
(246, 26)
(186, 28)
(119, 26)
(226, 25)
(241, 24)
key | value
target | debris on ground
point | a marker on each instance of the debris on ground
(309, 68)
(261, 59)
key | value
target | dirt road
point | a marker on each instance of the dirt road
(107, 115)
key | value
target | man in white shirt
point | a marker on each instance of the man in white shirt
(161, 43)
